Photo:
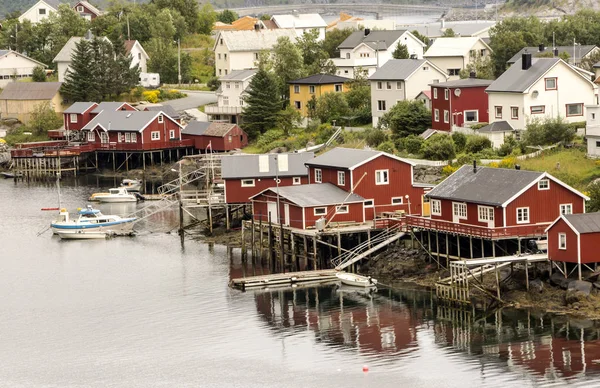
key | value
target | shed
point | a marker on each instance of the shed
(19, 99)
(215, 136)
(497, 132)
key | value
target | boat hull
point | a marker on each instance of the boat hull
(115, 199)
(121, 227)
(356, 280)
(82, 235)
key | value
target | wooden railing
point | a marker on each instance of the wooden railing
(155, 145)
(57, 148)
(477, 231)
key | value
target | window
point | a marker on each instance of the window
(256, 56)
(320, 211)
(161, 119)
(562, 241)
(172, 134)
(91, 136)
(446, 116)
(225, 101)
(338, 88)
(225, 56)
(241, 101)
(597, 144)
(514, 112)
(398, 85)
(297, 104)
(296, 180)
(379, 85)
(79, 8)
(566, 208)
(341, 178)
(538, 109)
(369, 203)
(459, 210)
(522, 215)
(452, 72)
(381, 177)
(219, 71)
(574, 110)
(381, 105)
(134, 137)
(435, 93)
(127, 137)
(486, 213)
(296, 89)
(347, 55)
(228, 85)
(219, 56)
(341, 209)
(229, 139)
(42, 11)
(544, 184)
(73, 118)
(446, 94)
(248, 183)
(550, 84)
(397, 201)
(318, 175)
(482, 52)
(345, 71)
(425, 68)
(498, 110)
(237, 85)
(436, 114)
(311, 89)
(471, 116)
(155, 135)
(388, 85)
(472, 53)
(139, 56)
(436, 207)
(103, 137)
(221, 41)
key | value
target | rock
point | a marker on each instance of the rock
(597, 284)
(578, 290)
(536, 285)
(559, 280)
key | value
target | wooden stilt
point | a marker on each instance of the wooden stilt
(339, 243)
(305, 248)
(260, 237)
(527, 276)
(497, 281)
(447, 250)
(437, 247)
(482, 249)
(282, 245)
(316, 260)
(458, 246)
(243, 242)
(565, 268)
(227, 226)
(293, 248)
(471, 247)
(252, 246)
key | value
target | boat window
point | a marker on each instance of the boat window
(113, 191)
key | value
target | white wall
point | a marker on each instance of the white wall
(233, 92)
(139, 58)
(446, 63)
(421, 79)
(62, 68)
(390, 96)
(506, 101)
(357, 24)
(33, 13)
(12, 64)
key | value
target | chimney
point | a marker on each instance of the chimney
(526, 61)
(517, 166)
(541, 48)
(555, 52)
(474, 166)
(442, 23)
(367, 31)
(472, 74)
(256, 27)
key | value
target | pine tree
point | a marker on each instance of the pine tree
(80, 84)
(262, 104)
(401, 52)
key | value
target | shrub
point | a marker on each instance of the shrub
(593, 205)
(213, 83)
(508, 162)
(150, 96)
(412, 144)
(477, 143)
(266, 140)
(463, 159)
(508, 146)
(170, 94)
(478, 126)
(460, 140)
(387, 146)
(494, 165)
(438, 147)
(39, 74)
(448, 170)
(548, 131)
(323, 133)
(374, 137)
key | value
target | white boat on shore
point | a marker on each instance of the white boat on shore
(118, 194)
(351, 279)
(91, 220)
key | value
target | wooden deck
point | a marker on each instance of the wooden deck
(284, 278)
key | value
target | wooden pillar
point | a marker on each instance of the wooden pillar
(305, 247)
(210, 220)
(293, 248)
(482, 249)
(144, 161)
(527, 275)
(243, 242)
(126, 161)
(429, 243)
(579, 271)
(281, 243)
(269, 241)
(458, 246)
(260, 237)
(316, 260)
(437, 247)
(471, 246)
(227, 226)
(497, 281)
(114, 162)
(447, 250)
(252, 246)
(565, 268)
(339, 243)
(96, 152)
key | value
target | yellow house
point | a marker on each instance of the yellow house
(302, 90)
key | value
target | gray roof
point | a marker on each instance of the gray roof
(429, 132)
(376, 39)
(317, 194)
(580, 51)
(320, 79)
(464, 83)
(252, 40)
(195, 127)
(461, 28)
(584, 222)
(166, 109)
(488, 186)
(4, 52)
(79, 107)
(497, 126)
(30, 90)
(121, 120)
(346, 157)
(200, 128)
(108, 106)
(247, 165)
(64, 55)
(54, 3)
(238, 75)
(517, 80)
(397, 69)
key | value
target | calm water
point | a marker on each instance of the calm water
(149, 312)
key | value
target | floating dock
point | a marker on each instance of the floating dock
(284, 278)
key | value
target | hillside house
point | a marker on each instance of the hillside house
(576, 54)
(219, 137)
(138, 55)
(39, 11)
(434, 30)
(592, 130)
(303, 90)
(19, 99)
(63, 58)
(302, 23)
(87, 10)
(14, 66)
(425, 98)
(454, 54)
(230, 97)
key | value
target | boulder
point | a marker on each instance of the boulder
(536, 285)
(578, 290)
(558, 280)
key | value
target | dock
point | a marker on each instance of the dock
(288, 278)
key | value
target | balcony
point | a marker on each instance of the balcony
(214, 109)
(531, 230)
(155, 145)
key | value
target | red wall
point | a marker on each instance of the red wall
(570, 254)
(82, 119)
(86, 10)
(239, 139)
(472, 214)
(471, 98)
(590, 242)
(355, 214)
(235, 193)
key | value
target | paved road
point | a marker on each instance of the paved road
(193, 100)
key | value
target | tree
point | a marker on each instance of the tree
(333, 39)
(227, 16)
(288, 119)
(406, 118)
(589, 62)
(483, 69)
(477, 143)
(460, 141)
(186, 8)
(401, 52)
(331, 106)
(593, 190)
(80, 82)
(358, 96)
(287, 58)
(315, 58)
(43, 119)
(39, 74)
(439, 147)
(206, 19)
(548, 131)
(449, 33)
(262, 105)
(421, 37)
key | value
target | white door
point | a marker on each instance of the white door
(103, 137)
(286, 214)
(272, 212)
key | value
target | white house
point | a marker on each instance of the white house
(138, 55)
(63, 58)
(39, 11)
(301, 22)
(14, 65)
(476, 28)
(592, 130)
(536, 88)
(367, 50)
(454, 54)
(401, 79)
(239, 50)
(230, 97)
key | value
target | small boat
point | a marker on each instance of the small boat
(8, 175)
(82, 235)
(91, 220)
(131, 184)
(118, 194)
(351, 279)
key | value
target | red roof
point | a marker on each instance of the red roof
(427, 93)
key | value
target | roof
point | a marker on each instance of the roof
(64, 55)
(238, 75)
(30, 90)
(596, 65)
(429, 132)
(460, 28)
(6, 52)
(79, 107)
(108, 105)
(397, 69)
(465, 83)
(489, 186)
(426, 93)
(381, 39)
(53, 3)
(517, 80)
(243, 23)
(580, 51)
(303, 20)
(584, 222)
(452, 47)
(202, 128)
(122, 120)
(254, 40)
(316, 194)
(247, 165)
(167, 109)
(89, 6)
(497, 126)
(343, 17)
(269, 24)
(320, 79)
(349, 158)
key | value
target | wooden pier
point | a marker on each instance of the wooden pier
(290, 278)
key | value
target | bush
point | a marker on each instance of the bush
(477, 143)
(412, 144)
(548, 131)
(438, 147)
(460, 140)
(478, 126)
(448, 170)
(387, 146)
(266, 140)
(171, 94)
(150, 96)
(463, 159)
(39, 74)
(374, 137)
(508, 163)
(324, 133)
(508, 146)
(593, 191)
(213, 83)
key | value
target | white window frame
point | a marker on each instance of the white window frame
(73, 118)
(551, 79)
(388, 85)
(566, 208)
(134, 137)
(485, 213)
(398, 85)
(543, 184)
(525, 212)
(562, 241)
(342, 209)
(498, 111)
(296, 89)
(311, 89)
(341, 178)
(576, 114)
(120, 137)
(248, 182)
(379, 85)
(379, 175)
(161, 119)
(296, 180)
(369, 203)
(338, 88)
(446, 116)
(436, 207)
(298, 104)
(446, 94)
(457, 210)
(171, 134)
(436, 115)
(91, 136)
(79, 8)
(471, 111)
(320, 211)
(514, 109)
(318, 175)
(435, 93)
(396, 199)
(127, 137)
(155, 135)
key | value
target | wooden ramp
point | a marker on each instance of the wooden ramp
(277, 279)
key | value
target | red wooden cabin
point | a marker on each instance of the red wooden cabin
(87, 10)
(246, 175)
(384, 180)
(215, 136)
(301, 206)
(459, 103)
(498, 203)
(167, 109)
(78, 115)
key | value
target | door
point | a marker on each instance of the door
(272, 212)
(425, 206)
(286, 215)
(103, 137)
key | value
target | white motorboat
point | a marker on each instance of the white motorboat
(132, 184)
(118, 194)
(351, 279)
(91, 220)
(82, 235)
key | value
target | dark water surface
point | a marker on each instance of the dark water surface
(149, 312)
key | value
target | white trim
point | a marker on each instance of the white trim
(543, 180)
(341, 182)
(303, 218)
(517, 215)
(387, 176)
(152, 135)
(487, 213)
(439, 203)
(321, 207)
(566, 221)
(504, 217)
(397, 204)
(458, 216)
(337, 209)
(242, 184)
(320, 180)
(378, 155)
(369, 206)
(296, 180)
(560, 247)
(560, 208)
(71, 116)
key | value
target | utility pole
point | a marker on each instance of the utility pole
(179, 61)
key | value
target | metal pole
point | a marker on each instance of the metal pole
(179, 61)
